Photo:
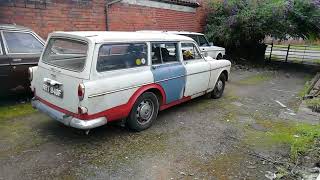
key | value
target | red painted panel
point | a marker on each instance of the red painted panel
(114, 113)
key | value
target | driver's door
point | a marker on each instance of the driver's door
(197, 70)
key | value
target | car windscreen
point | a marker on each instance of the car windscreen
(66, 53)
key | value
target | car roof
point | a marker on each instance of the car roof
(173, 32)
(121, 36)
(13, 27)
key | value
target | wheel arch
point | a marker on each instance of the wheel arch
(154, 88)
(225, 72)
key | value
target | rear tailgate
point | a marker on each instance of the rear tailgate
(57, 88)
(65, 63)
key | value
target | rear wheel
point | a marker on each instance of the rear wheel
(219, 87)
(143, 112)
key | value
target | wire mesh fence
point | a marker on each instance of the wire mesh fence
(293, 53)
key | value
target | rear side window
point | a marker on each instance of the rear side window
(190, 52)
(122, 56)
(22, 42)
(66, 53)
(164, 53)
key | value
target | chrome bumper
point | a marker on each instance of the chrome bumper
(67, 119)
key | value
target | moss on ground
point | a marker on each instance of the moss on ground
(256, 79)
(299, 136)
(9, 112)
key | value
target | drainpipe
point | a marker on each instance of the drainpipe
(106, 10)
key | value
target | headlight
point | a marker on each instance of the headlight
(30, 73)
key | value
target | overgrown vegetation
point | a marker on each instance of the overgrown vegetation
(242, 25)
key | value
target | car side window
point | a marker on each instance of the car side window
(22, 42)
(121, 56)
(190, 52)
(164, 53)
(203, 41)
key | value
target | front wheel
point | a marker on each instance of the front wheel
(219, 87)
(143, 112)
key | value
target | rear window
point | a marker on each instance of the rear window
(66, 53)
(122, 56)
(22, 42)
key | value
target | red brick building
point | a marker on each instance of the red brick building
(45, 16)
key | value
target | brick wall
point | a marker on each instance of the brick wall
(55, 16)
(125, 17)
(66, 15)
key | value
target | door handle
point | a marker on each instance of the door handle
(153, 67)
(16, 60)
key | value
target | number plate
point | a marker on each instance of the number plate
(54, 90)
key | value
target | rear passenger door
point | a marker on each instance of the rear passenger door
(167, 69)
(197, 70)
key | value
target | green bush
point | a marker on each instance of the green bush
(243, 24)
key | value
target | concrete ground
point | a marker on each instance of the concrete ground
(200, 139)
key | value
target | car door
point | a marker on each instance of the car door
(168, 70)
(4, 70)
(23, 50)
(197, 70)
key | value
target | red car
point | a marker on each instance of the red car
(20, 48)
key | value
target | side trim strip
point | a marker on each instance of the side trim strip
(137, 86)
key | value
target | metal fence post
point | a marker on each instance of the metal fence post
(271, 51)
(287, 53)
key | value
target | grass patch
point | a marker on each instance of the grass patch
(300, 136)
(8, 112)
(256, 79)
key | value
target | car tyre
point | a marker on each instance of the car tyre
(144, 112)
(219, 87)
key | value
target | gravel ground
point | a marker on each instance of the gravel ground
(200, 139)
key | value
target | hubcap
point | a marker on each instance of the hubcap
(145, 111)
(219, 85)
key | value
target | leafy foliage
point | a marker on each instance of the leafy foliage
(236, 23)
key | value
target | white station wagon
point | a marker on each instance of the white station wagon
(86, 79)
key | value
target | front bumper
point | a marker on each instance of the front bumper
(67, 119)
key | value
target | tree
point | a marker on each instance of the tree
(242, 25)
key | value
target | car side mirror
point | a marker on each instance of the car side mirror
(211, 43)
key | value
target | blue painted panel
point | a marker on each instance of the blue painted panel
(173, 87)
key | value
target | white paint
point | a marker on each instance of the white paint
(105, 90)
(282, 105)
